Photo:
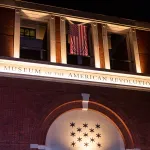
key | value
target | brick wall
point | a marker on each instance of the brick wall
(24, 105)
(7, 17)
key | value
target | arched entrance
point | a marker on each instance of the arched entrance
(78, 129)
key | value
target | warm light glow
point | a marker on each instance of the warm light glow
(63, 41)
(134, 47)
(105, 45)
(137, 63)
(52, 39)
(138, 69)
(73, 74)
(59, 135)
(85, 105)
(85, 109)
(117, 28)
(33, 14)
(96, 45)
(17, 34)
(78, 20)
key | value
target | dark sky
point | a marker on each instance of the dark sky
(130, 9)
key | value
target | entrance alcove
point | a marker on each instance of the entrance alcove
(78, 129)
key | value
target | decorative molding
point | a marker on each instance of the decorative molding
(105, 45)
(40, 147)
(63, 40)
(33, 145)
(85, 101)
(96, 45)
(34, 70)
(76, 14)
(85, 96)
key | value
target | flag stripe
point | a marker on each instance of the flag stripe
(85, 39)
(78, 40)
(81, 40)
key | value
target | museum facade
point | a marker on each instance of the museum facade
(72, 80)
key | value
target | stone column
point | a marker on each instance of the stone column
(95, 45)
(17, 34)
(134, 48)
(63, 41)
(52, 39)
(105, 45)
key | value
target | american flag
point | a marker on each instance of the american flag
(78, 40)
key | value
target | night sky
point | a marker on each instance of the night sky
(130, 9)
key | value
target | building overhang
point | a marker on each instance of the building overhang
(70, 13)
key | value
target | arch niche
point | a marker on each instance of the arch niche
(80, 129)
(57, 131)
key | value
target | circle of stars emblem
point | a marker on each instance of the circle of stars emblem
(92, 134)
